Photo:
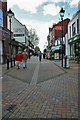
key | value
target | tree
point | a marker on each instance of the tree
(33, 37)
(37, 49)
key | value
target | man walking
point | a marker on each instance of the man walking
(25, 57)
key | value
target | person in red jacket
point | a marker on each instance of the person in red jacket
(19, 57)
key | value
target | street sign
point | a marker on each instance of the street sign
(58, 28)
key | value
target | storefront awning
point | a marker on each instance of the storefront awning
(56, 47)
(31, 49)
(74, 39)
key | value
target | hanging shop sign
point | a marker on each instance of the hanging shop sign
(59, 27)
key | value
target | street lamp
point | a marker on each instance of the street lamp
(62, 15)
(10, 14)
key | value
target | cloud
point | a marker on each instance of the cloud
(28, 5)
(51, 9)
(41, 28)
(74, 2)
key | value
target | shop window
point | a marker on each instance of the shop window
(73, 28)
(56, 42)
(77, 25)
(70, 31)
(1, 18)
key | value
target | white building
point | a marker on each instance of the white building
(74, 35)
(20, 32)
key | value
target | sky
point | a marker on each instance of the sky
(41, 14)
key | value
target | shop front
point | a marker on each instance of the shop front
(75, 47)
(57, 52)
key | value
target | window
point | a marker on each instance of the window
(1, 18)
(70, 31)
(73, 29)
(56, 42)
(18, 35)
(59, 42)
(77, 25)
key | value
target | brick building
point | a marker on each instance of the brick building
(5, 35)
(57, 29)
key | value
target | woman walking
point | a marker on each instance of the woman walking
(19, 57)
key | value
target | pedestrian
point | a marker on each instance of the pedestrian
(40, 56)
(18, 58)
(25, 57)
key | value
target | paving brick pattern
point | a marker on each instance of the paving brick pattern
(52, 98)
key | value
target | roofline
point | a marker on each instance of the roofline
(74, 15)
(18, 21)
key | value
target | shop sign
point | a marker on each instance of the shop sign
(59, 27)
(57, 56)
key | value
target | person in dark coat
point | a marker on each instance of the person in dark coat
(40, 56)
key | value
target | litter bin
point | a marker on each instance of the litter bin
(65, 62)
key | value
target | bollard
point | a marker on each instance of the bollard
(7, 62)
(65, 61)
(14, 61)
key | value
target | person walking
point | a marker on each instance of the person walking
(18, 58)
(40, 56)
(25, 57)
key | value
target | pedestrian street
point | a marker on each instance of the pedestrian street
(42, 90)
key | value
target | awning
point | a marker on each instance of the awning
(31, 49)
(56, 47)
(74, 39)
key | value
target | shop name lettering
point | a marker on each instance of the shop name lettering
(18, 30)
(73, 39)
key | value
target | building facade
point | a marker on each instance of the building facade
(74, 35)
(57, 48)
(20, 32)
(4, 32)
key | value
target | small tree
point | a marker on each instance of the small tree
(33, 37)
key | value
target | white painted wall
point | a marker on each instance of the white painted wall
(1, 51)
(18, 28)
(67, 46)
(74, 19)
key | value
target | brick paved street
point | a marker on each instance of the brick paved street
(43, 90)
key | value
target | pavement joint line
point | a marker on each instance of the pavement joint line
(35, 75)
(52, 78)
(60, 67)
(15, 77)
(9, 70)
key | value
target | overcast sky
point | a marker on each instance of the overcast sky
(41, 14)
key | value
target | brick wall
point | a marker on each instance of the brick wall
(58, 33)
(4, 9)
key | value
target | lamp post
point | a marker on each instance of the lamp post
(62, 15)
(10, 14)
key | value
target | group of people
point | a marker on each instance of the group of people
(21, 58)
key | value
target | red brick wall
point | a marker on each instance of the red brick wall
(4, 9)
(58, 33)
